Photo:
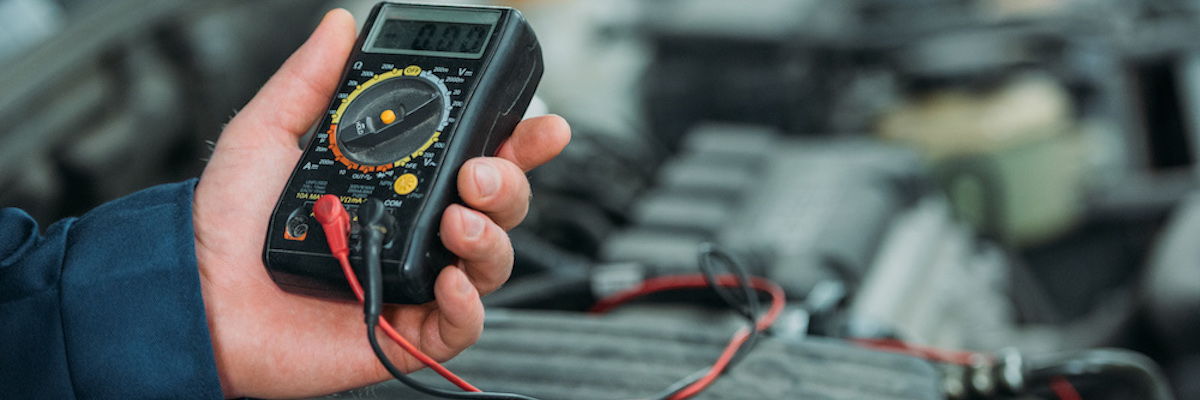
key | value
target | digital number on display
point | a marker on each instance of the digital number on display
(432, 36)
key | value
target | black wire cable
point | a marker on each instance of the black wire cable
(372, 216)
(681, 384)
(696, 376)
(748, 306)
(430, 390)
(749, 302)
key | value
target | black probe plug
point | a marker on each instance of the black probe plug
(377, 223)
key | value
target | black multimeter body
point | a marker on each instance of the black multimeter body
(426, 88)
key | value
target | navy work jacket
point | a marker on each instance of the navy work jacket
(106, 305)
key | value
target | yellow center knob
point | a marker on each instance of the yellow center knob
(388, 117)
(405, 184)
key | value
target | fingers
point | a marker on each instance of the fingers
(457, 321)
(496, 187)
(536, 141)
(483, 248)
(294, 98)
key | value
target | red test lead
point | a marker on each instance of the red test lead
(336, 222)
(333, 218)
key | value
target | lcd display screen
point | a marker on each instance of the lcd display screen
(444, 33)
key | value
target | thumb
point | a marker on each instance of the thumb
(296, 96)
(260, 145)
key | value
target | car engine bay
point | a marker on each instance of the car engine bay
(961, 199)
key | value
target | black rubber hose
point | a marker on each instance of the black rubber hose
(1124, 365)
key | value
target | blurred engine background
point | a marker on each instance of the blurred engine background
(1014, 178)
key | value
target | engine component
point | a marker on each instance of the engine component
(1172, 285)
(553, 355)
(932, 283)
(1119, 369)
(721, 60)
(1010, 159)
(130, 87)
(806, 210)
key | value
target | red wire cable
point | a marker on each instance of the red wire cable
(333, 220)
(396, 337)
(718, 367)
(655, 285)
(1063, 389)
(696, 281)
(928, 353)
(336, 223)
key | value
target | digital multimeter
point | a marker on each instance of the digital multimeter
(426, 88)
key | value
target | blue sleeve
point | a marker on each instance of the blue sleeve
(107, 305)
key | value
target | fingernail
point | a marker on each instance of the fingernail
(472, 224)
(464, 286)
(487, 178)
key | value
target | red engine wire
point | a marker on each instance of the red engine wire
(928, 353)
(697, 281)
(718, 367)
(1063, 389)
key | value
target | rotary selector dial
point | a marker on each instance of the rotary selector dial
(389, 120)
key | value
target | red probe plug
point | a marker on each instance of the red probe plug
(336, 222)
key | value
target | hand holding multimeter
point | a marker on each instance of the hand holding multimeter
(269, 343)
(425, 88)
